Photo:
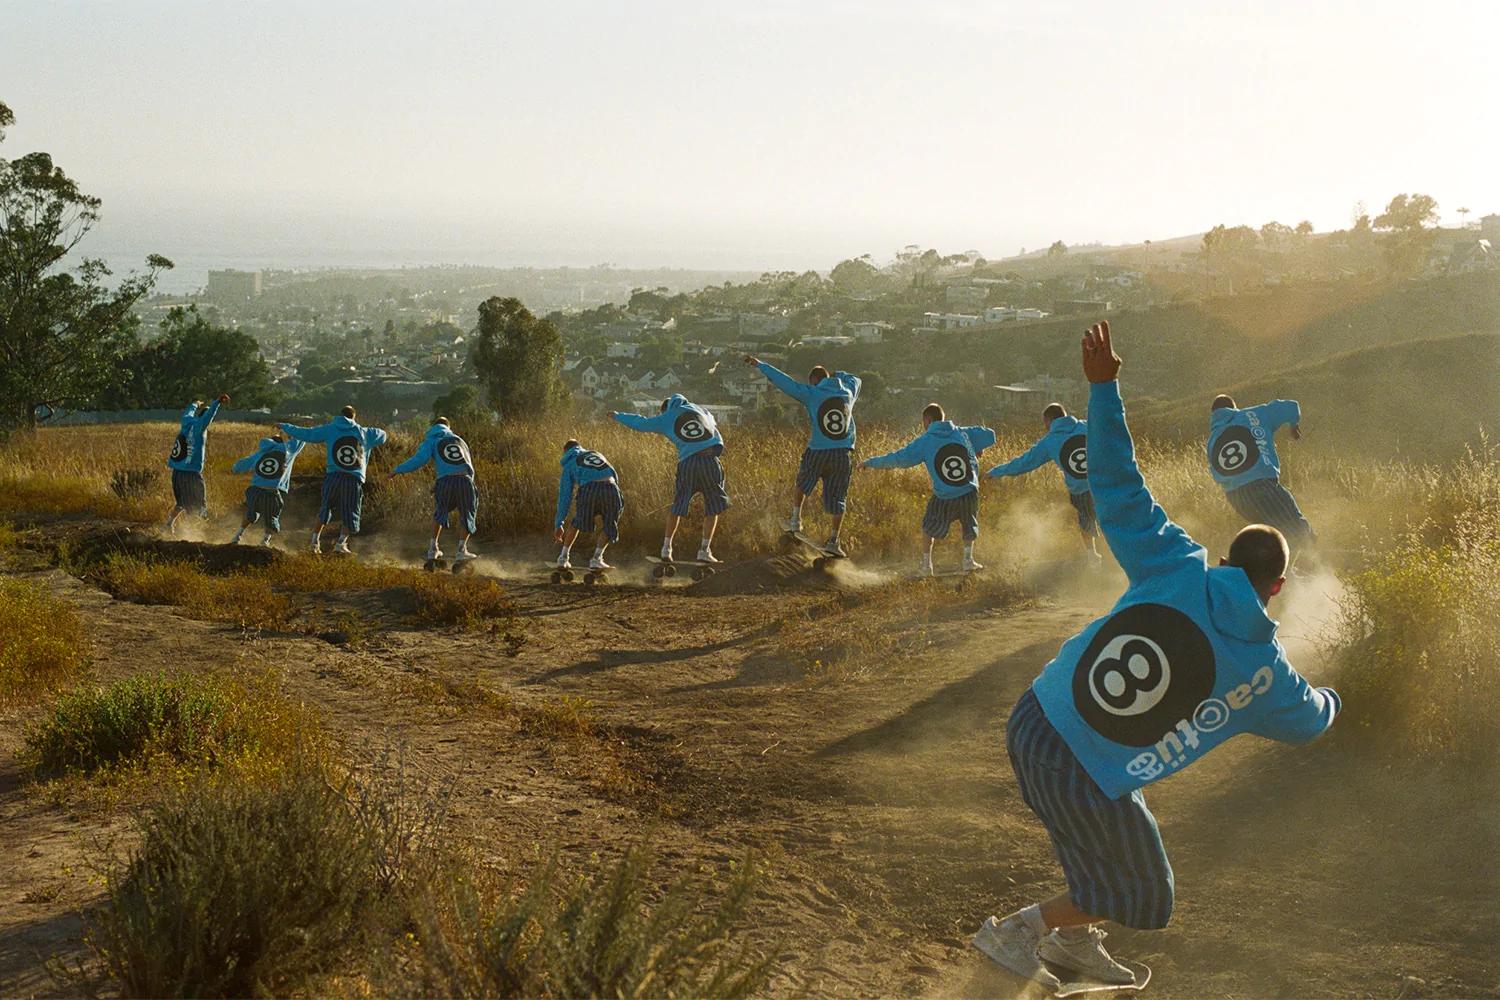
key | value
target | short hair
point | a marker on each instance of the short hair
(1053, 411)
(278, 437)
(1261, 551)
(1222, 401)
(666, 403)
(570, 444)
(818, 374)
(933, 412)
(348, 411)
(443, 421)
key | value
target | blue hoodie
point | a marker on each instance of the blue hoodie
(689, 426)
(830, 405)
(1185, 660)
(188, 448)
(1066, 443)
(1242, 443)
(349, 444)
(448, 453)
(579, 468)
(950, 454)
(271, 463)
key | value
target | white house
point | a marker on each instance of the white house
(999, 314)
(622, 349)
(868, 332)
(950, 321)
(827, 341)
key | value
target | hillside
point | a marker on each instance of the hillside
(1423, 400)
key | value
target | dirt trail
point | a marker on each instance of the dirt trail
(885, 805)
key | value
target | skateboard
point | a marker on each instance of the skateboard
(590, 576)
(1080, 987)
(824, 555)
(668, 567)
(456, 566)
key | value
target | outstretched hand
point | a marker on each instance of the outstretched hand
(751, 360)
(1100, 362)
(223, 397)
(1296, 432)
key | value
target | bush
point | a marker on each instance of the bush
(42, 643)
(1419, 636)
(133, 484)
(609, 935)
(242, 599)
(237, 889)
(186, 723)
(467, 603)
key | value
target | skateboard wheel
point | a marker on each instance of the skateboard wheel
(820, 562)
(670, 569)
(556, 576)
(568, 575)
(591, 579)
(658, 571)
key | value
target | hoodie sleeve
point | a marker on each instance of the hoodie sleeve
(294, 448)
(190, 412)
(1297, 712)
(1030, 460)
(851, 382)
(636, 422)
(901, 458)
(785, 382)
(316, 434)
(1144, 541)
(209, 414)
(980, 438)
(374, 438)
(247, 463)
(1280, 412)
(419, 458)
(564, 494)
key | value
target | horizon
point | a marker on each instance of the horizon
(732, 139)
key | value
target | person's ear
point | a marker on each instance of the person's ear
(1276, 587)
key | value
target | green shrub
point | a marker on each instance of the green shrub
(608, 935)
(42, 643)
(186, 723)
(237, 889)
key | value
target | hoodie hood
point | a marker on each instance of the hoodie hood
(438, 431)
(675, 400)
(271, 443)
(944, 429)
(1235, 608)
(1065, 424)
(343, 421)
(567, 456)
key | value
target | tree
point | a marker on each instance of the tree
(1228, 242)
(855, 276)
(1406, 213)
(1407, 240)
(1275, 235)
(517, 358)
(196, 359)
(462, 406)
(1304, 229)
(62, 335)
(1057, 249)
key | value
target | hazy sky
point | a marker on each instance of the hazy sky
(757, 134)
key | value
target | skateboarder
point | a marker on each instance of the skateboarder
(692, 429)
(950, 454)
(453, 487)
(349, 446)
(598, 498)
(186, 460)
(270, 468)
(1185, 660)
(1066, 443)
(1242, 458)
(830, 403)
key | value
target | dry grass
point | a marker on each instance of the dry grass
(43, 647)
(240, 599)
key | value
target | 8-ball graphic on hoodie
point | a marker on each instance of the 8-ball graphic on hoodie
(589, 484)
(1066, 445)
(694, 432)
(270, 468)
(348, 446)
(186, 460)
(1186, 659)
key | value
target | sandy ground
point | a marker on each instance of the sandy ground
(884, 804)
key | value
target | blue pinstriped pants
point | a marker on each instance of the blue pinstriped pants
(1266, 501)
(1110, 849)
(832, 466)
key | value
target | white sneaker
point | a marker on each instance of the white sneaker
(598, 563)
(317, 545)
(706, 555)
(342, 547)
(794, 524)
(1011, 945)
(236, 539)
(266, 541)
(1085, 955)
(563, 562)
(971, 564)
(924, 568)
(463, 554)
(433, 552)
(171, 526)
(666, 552)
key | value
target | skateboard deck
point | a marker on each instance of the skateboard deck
(668, 567)
(824, 555)
(1080, 987)
(590, 576)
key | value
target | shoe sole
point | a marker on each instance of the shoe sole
(1041, 976)
(1064, 960)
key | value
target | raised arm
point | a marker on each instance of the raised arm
(902, 458)
(1280, 412)
(980, 438)
(247, 463)
(636, 422)
(799, 391)
(310, 434)
(374, 438)
(1144, 541)
(851, 382)
(212, 411)
(1030, 460)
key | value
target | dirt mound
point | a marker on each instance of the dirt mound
(788, 571)
(95, 544)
